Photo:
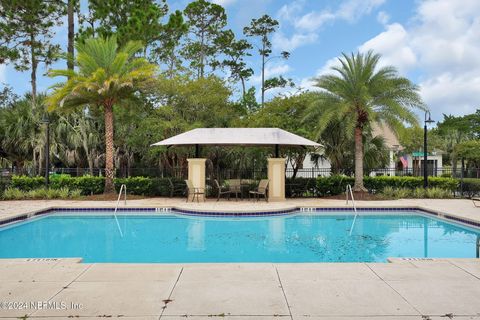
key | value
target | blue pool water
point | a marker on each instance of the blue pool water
(294, 238)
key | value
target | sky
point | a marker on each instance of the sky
(435, 43)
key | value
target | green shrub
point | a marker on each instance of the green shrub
(88, 184)
(161, 187)
(27, 183)
(4, 183)
(450, 184)
(471, 187)
(13, 194)
(388, 193)
(40, 193)
(333, 185)
(298, 187)
(395, 193)
(419, 193)
(136, 185)
(337, 184)
(438, 193)
(403, 193)
(75, 193)
(63, 193)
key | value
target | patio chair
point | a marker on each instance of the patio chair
(235, 186)
(475, 200)
(222, 190)
(196, 192)
(175, 187)
(261, 190)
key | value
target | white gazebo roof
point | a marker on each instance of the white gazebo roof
(237, 136)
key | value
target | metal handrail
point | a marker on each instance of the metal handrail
(349, 189)
(123, 187)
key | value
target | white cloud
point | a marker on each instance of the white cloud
(440, 46)
(352, 10)
(295, 41)
(224, 3)
(309, 83)
(448, 93)
(393, 44)
(289, 12)
(272, 71)
(383, 17)
(306, 26)
(312, 21)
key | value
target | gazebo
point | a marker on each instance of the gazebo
(272, 137)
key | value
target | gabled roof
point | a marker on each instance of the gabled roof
(237, 136)
(390, 137)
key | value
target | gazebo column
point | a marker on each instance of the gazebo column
(276, 177)
(196, 172)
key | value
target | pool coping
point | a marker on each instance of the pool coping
(239, 213)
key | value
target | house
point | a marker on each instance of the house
(314, 165)
(392, 144)
(412, 164)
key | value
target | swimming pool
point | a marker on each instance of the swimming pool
(299, 237)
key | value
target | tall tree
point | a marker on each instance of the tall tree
(20, 124)
(206, 21)
(71, 4)
(166, 49)
(362, 92)
(107, 76)
(138, 20)
(264, 27)
(235, 52)
(26, 34)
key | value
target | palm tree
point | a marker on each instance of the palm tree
(21, 139)
(106, 76)
(361, 92)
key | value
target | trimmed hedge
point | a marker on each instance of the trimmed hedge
(26, 183)
(94, 185)
(298, 187)
(334, 185)
(151, 186)
(41, 193)
(471, 187)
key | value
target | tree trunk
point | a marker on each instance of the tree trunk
(90, 164)
(358, 186)
(202, 56)
(71, 34)
(454, 165)
(263, 74)
(33, 74)
(109, 165)
(244, 90)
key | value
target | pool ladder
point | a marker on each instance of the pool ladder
(124, 189)
(347, 191)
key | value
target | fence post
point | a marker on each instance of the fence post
(461, 178)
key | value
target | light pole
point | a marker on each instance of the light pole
(425, 152)
(46, 121)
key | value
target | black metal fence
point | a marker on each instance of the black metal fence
(295, 186)
(180, 172)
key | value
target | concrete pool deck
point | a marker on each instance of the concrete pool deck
(433, 289)
(404, 289)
